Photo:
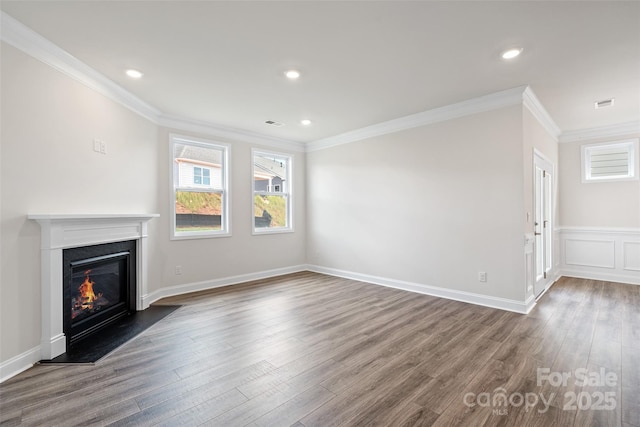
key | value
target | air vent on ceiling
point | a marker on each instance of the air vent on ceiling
(273, 123)
(604, 103)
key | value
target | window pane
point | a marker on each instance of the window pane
(611, 162)
(270, 211)
(198, 166)
(197, 211)
(269, 173)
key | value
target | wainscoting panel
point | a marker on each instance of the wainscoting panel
(611, 254)
(590, 253)
(631, 256)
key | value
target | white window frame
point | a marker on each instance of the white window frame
(225, 220)
(631, 145)
(288, 194)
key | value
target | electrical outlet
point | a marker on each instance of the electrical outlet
(178, 270)
(482, 276)
(103, 147)
(96, 145)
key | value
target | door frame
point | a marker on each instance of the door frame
(540, 285)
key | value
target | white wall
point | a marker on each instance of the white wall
(600, 234)
(595, 204)
(48, 165)
(429, 206)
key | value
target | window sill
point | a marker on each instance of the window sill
(259, 232)
(199, 236)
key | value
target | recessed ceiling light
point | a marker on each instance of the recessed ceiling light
(511, 53)
(604, 103)
(134, 74)
(305, 122)
(292, 74)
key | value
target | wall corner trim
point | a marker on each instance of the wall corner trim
(493, 101)
(533, 104)
(531, 302)
(521, 307)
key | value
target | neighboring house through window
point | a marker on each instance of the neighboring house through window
(271, 192)
(200, 188)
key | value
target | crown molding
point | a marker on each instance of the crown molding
(33, 44)
(25, 39)
(533, 104)
(218, 131)
(614, 131)
(477, 105)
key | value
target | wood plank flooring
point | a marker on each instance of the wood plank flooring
(312, 350)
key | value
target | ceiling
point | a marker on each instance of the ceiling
(362, 62)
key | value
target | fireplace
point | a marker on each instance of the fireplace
(60, 232)
(98, 288)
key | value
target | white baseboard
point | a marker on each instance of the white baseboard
(598, 275)
(19, 363)
(521, 307)
(217, 283)
(530, 303)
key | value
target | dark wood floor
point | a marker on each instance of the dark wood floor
(312, 350)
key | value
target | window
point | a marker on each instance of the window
(271, 192)
(200, 196)
(201, 176)
(613, 161)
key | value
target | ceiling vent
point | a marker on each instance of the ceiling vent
(273, 123)
(604, 103)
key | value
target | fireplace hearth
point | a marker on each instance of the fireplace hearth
(99, 288)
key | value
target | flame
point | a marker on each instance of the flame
(87, 297)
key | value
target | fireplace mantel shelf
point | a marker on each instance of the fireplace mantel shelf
(61, 217)
(61, 231)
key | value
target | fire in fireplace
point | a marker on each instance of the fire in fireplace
(91, 298)
(99, 288)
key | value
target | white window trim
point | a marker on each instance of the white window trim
(226, 185)
(632, 146)
(273, 230)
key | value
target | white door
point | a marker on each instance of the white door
(543, 224)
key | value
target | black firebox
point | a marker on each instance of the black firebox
(99, 288)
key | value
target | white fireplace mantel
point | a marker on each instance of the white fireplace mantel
(59, 232)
